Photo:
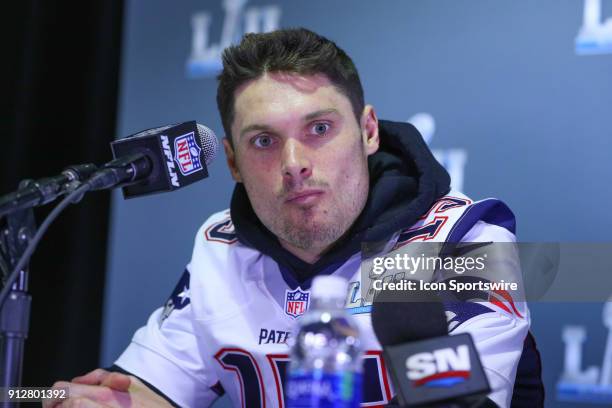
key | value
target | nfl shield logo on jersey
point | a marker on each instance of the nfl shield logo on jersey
(187, 154)
(296, 302)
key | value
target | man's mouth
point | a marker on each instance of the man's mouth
(304, 197)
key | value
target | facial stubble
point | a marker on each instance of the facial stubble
(312, 229)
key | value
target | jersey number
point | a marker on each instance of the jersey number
(222, 232)
(376, 391)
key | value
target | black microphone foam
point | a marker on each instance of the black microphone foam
(420, 316)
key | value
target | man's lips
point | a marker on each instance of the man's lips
(303, 197)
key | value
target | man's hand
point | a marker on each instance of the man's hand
(103, 389)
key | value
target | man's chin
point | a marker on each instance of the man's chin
(307, 219)
(311, 233)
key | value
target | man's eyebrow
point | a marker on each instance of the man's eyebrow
(250, 128)
(318, 113)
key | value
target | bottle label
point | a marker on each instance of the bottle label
(323, 390)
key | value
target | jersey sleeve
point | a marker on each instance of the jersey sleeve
(165, 353)
(498, 323)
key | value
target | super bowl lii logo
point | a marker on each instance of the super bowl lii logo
(205, 58)
(595, 35)
(453, 160)
(592, 384)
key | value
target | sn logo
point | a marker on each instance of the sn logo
(205, 58)
(422, 366)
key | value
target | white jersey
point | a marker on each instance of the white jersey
(226, 325)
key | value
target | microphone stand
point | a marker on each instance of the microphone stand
(15, 311)
(19, 237)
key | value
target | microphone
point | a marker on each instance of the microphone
(45, 190)
(429, 368)
(161, 159)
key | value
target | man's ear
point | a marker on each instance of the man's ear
(231, 160)
(369, 130)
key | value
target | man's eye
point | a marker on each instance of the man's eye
(262, 141)
(320, 128)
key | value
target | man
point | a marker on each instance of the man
(317, 176)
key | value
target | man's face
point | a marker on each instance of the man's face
(302, 157)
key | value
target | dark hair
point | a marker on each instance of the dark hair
(298, 51)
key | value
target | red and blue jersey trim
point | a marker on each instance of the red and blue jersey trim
(491, 211)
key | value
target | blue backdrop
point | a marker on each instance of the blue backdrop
(514, 97)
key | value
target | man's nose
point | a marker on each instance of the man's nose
(296, 164)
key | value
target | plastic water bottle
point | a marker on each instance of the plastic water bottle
(326, 364)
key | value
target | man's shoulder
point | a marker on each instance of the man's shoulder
(214, 241)
(453, 215)
(217, 247)
(486, 215)
(222, 270)
(218, 228)
(457, 203)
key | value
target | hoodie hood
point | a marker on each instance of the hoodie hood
(405, 180)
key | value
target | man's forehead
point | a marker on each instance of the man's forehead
(300, 82)
(285, 96)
